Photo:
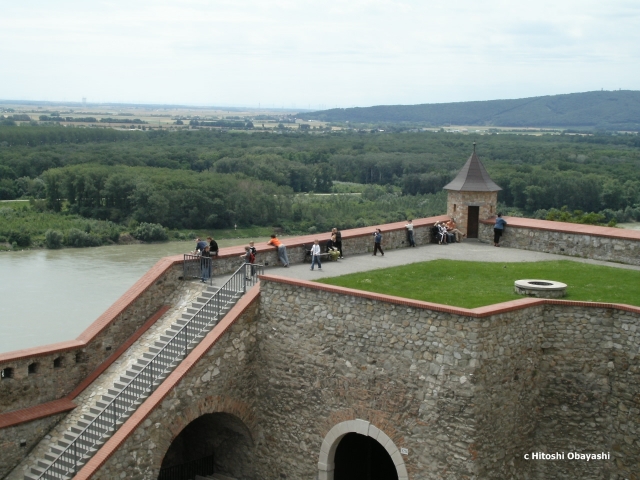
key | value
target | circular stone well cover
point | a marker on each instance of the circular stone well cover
(540, 288)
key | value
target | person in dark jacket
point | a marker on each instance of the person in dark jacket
(213, 247)
(338, 240)
(377, 242)
(498, 229)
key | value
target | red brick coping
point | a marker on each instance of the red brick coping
(165, 388)
(573, 228)
(479, 312)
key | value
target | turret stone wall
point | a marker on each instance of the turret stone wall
(458, 204)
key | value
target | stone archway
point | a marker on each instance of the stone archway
(326, 465)
(212, 443)
(225, 424)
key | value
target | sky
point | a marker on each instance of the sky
(308, 54)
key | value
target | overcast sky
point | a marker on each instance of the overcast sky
(315, 54)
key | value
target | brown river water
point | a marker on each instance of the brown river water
(49, 296)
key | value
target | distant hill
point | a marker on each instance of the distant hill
(610, 110)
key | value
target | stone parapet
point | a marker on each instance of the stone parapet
(585, 241)
(465, 393)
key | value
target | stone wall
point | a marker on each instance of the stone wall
(458, 206)
(354, 242)
(327, 358)
(222, 382)
(593, 242)
(59, 368)
(17, 441)
(467, 392)
(589, 400)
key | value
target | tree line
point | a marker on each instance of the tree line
(191, 179)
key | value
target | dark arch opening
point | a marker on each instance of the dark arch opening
(212, 443)
(359, 457)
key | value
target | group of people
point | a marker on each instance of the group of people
(446, 232)
(333, 248)
(206, 250)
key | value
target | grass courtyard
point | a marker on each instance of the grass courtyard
(476, 284)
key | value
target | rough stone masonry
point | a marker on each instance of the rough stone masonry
(468, 395)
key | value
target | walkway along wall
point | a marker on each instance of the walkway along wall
(467, 392)
(586, 241)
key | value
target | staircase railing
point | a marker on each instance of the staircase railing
(149, 377)
(195, 266)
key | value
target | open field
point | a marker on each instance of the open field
(155, 116)
(476, 284)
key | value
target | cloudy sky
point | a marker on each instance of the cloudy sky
(315, 54)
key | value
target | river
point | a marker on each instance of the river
(49, 296)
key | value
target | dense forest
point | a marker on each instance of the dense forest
(296, 181)
(605, 110)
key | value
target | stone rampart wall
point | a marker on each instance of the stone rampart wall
(467, 392)
(327, 358)
(59, 368)
(596, 243)
(589, 400)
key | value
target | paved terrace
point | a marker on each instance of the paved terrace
(468, 250)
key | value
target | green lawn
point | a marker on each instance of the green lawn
(475, 284)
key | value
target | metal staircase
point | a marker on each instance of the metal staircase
(81, 441)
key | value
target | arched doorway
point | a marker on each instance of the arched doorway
(212, 443)
(360, 457)
(348, 452)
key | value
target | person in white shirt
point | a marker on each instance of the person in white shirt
(315, 254)
(409, 227)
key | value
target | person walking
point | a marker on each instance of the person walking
(315, 255)
(338, 240)
(377, 242)
(409, 227)
(498, 229)
(282, 250)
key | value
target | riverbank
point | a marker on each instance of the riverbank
(27, 226)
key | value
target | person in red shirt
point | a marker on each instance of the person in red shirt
(282, 250)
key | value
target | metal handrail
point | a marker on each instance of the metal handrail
(144, 380)
(193, 266)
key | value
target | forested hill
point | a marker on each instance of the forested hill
(615, 110)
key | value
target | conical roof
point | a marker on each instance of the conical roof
(473, 177)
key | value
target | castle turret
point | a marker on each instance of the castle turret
(472, 196)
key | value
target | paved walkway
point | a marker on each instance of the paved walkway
(469, 250)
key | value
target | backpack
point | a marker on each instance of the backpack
(252, 257)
